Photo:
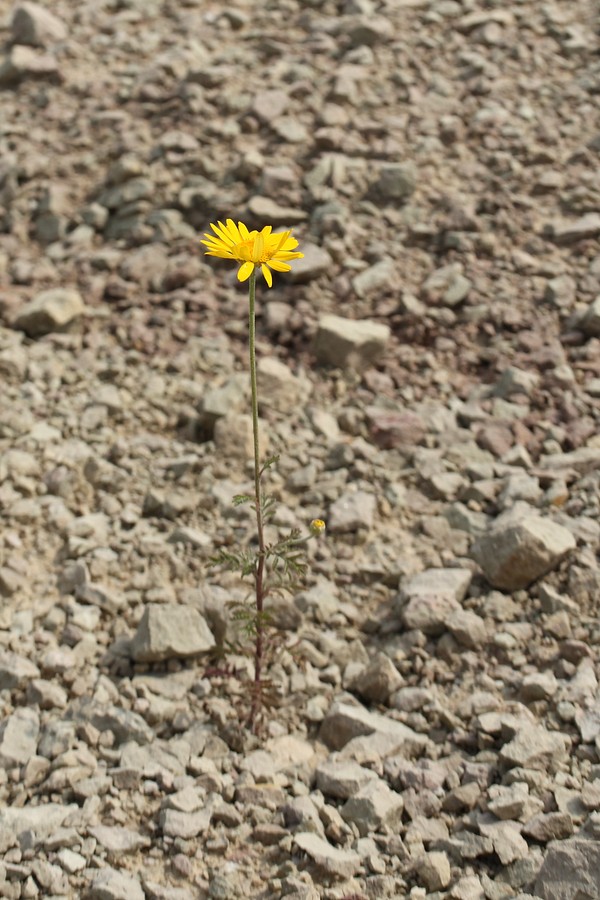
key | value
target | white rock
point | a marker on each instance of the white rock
(515, 554)
(19, 736)
(169, 631)
(331, 860)
(35, 25)
(50, 311)
(348, 343)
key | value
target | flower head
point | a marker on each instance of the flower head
(252, 248)
(317, 527)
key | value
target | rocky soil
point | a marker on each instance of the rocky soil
(430, 375)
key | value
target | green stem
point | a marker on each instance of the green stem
(259, 576)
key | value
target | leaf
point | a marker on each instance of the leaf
(270, 461)
(240, 499)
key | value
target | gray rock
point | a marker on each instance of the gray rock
(348, 343)
(118, 840)
(110, 884)
(342, 779)
(514, 554)
(330, 860)
(44, 820)
(316, 262)
(264, 209)
(24, 62)
(374, 279)
(344, 722)
(186, 825)
(590, 324)
(15, 670)
(571, 869)
(506, 839)
(431, 597)
(34, 25)
(373, 806)
(467, 628)
(515, 381)
(434, 870)
(279, 388)
(169, 631)
(378, 680)
(125, 724)
(19, 736)
(567, 232)
(552, 826)
(49, 311)
(394, 184)
(351, 511)
(447, 286)
(534, 747)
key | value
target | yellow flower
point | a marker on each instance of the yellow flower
(317, 526)
(252, 248)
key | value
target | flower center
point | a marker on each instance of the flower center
(252, 250)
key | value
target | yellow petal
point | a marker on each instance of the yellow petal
(267, 274)
(279, 266)
(245, 271)
(233, 231)
(243, 231)
(259, 248)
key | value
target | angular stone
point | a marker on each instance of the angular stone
(434, 870)
(351, 511)
(566, 232)
(25, 62)
(552, 826)
(374, 279)
(50, 311)
(447, 286)
(168, 631)
(342, 779)
(432, 596)
(534, 747)
(279, 388)
(570, 869)
(316, 262)
(344, 722)
(515, 554)
(348, 343)
(34, 25)
(330, 860)
(391, 429)
(110, 884)
(467, 628)
(15, 670)
(44, 820)
(379, 680)
(394, 184)
(119, 840)
(373, 806)
(507, 841)
(590, 324)
(125, 724)
(19, 736)
(185, 825)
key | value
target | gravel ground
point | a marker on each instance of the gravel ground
(430, 375)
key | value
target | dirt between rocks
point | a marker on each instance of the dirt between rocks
(437, 730)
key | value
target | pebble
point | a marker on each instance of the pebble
(515, 554)
(49, 311)
(331, 861)
(170, 631)
(35, 25)
(349, 344)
